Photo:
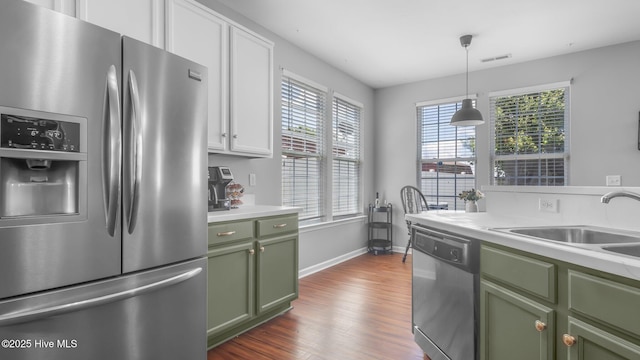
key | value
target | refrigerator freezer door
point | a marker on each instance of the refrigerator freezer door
(158, 314)
(58, 67)
(164, 157)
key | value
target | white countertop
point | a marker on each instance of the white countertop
(249, 212)
(479, 225)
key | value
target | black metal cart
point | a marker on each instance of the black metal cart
(380, 229)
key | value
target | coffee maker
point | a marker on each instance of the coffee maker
(219, 177)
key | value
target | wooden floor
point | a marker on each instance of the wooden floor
(359, 309)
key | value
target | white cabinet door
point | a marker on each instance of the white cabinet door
(251, 84)
(67, 7)
(140, 19)
(195, 32)
(240, 65)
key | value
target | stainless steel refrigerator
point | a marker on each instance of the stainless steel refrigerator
(102, 193)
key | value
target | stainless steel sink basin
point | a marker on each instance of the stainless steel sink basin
(577, 234)
(631, 250)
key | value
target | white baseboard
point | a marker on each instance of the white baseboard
(342, 258)
(331, 262)
(400, 249)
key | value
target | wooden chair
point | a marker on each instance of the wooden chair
(413, 202)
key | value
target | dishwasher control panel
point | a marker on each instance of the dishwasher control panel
(449, 248)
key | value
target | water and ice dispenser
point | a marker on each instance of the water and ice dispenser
(40, 163)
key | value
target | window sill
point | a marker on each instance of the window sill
(332, 223)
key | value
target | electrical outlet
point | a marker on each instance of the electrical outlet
(548, 205)
(613, 180)
(252, 179)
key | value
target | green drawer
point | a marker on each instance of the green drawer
(605, 300)
(277, 225)
(533, 276)
(230, 231)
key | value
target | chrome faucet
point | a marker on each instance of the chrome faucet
(614, 194)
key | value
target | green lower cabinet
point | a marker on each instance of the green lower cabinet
(587, 342)
(535, 308)
(252, 274)
(513, 326)
(230, 286)
(606, 301)
(277, 272)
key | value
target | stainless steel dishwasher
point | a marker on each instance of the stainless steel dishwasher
(445, 304)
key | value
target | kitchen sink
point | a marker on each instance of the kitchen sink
(631, 250)
(579, 235)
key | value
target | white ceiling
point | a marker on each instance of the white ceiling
(390, 42)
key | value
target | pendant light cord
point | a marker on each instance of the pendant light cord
(466, 48)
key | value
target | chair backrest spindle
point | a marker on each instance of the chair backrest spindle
(413, 201)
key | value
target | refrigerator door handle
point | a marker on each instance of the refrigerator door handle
(27, 315)
(135, 157)
(111, 151)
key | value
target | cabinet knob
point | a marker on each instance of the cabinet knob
(224, 135)
(568, 340)
(235, 136)
(540, 326)
(251, 251)
(261, 248)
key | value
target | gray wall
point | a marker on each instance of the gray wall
(605, 101)
(316, 245)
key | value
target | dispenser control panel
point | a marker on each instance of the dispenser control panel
(23, 132)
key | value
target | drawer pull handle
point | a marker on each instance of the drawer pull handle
(226, 233)
(278, 226)
(568, 340)
(261, 248)
(540, 326)
(251, 251)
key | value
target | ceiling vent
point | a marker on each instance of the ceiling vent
(501, 57)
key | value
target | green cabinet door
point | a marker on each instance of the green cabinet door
(587, 342)
(277, 272)
(230, 286)
(513, 326)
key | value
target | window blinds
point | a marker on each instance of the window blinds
(446, 154)
(303, 116)
(346, 157)
(529, 135)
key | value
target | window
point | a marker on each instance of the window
(303, 117)
(530, 136)
(346, 156)
(446, 155)
(320, 151)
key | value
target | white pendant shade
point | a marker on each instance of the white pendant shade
(467, 115)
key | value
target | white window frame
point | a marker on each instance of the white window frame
(436, 200)
(566, 85)
(355, 208)
(327, 208)
(313, 202)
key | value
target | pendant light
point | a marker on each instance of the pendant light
(467, 115)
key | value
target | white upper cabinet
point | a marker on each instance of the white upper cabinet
(140, 19)
(251, 94)
(67, 7)
(195, 32)
(240, 65)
